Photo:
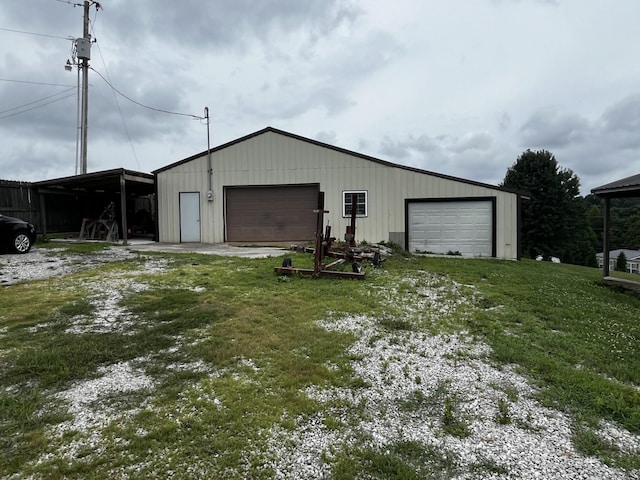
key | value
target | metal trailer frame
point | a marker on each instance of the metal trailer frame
(322, 249)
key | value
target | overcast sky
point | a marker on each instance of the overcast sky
(459, 87)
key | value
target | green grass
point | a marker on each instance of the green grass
(403, 461)
(231, 349)
(626, 275)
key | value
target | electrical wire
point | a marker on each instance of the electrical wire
(115, 98)
(95, 16)
(37, 106)
(70, 3)
(32, 33)
(36, 101)
(36, 83)
(196, 117)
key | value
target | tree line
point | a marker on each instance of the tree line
(557, 221)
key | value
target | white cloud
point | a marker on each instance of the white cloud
(551, 129)
(461, 88)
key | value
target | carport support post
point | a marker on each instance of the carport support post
(123, 208)
(43, 216)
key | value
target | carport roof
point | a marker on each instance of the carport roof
(625, 187)
(137, 183)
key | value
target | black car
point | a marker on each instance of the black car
(16, 235)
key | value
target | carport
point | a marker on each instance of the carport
(64, 202)
(624, 188)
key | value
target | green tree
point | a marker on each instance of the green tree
(554, 220)
(631, 237)
(578, 246)
(624, 230)
(621, 262)
(595, 215)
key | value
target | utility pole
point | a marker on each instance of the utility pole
(83, 55)
(83, 47)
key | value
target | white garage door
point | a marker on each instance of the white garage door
(464, 226)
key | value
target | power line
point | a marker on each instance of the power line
(70, 3)
(37, 106)
(115, 98)
(35, 34)
(36, 101)
(36, 83)
(95, 17)
(196, 117)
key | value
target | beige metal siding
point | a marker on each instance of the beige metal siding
(272, 158)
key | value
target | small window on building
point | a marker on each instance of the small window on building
(357, 198)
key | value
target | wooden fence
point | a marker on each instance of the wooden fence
(20, 199)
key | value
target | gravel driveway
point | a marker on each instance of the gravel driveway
(42, 263)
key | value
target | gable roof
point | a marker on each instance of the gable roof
(633, 255)
(337, 149)
(625, 187)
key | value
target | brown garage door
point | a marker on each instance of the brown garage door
(271, 214)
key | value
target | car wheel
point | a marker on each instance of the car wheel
(21, 242)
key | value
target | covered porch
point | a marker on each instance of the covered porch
(628, 187)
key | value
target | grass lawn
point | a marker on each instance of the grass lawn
(199, 366)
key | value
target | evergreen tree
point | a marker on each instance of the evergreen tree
(621, 262)
(554, 220)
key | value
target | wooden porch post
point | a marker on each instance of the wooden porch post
(605, 238)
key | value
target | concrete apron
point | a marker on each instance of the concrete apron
(221, 249)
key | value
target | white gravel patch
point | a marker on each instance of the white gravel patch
(84, 397)
(400, 367)
(619, 437)
(106, 294)
(424, 295)
(108, 315)
(94, 404)
(41, 263)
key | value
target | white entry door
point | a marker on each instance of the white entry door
(189, 216)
